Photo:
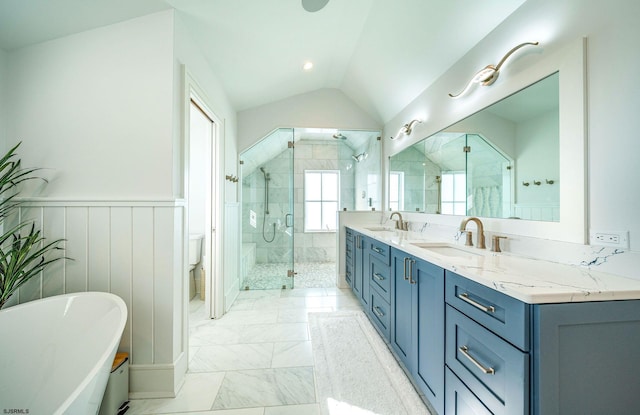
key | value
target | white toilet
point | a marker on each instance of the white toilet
(195, 256)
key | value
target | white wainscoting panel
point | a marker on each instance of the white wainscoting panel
(132, 249)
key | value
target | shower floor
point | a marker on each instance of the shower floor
(274, 276)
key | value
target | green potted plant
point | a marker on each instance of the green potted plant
(24, 253)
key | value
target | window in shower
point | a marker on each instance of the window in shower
(454, 193)
(396, 190)
(321, 200)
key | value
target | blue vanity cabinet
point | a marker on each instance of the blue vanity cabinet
(417, 322)
(487, 347)
(541, 359)
(380, 289)
(586, 358)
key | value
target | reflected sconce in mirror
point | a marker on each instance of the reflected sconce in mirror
(488, 75)
(406, 129)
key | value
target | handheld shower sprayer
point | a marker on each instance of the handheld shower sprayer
(267, 178)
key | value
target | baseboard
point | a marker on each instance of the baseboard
(157, 381)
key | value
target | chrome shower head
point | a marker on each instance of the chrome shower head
(359, 157)
(339, 136)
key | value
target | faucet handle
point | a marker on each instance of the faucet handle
(495, 243)
(469, 241)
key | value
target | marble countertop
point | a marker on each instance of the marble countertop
(529, 280)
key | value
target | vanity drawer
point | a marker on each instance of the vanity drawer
(381, 278)
(494, 370)
(504, 315)
(380, 313)
(379, 250)
(459, 400)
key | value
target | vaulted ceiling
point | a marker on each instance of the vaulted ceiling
(380, 53)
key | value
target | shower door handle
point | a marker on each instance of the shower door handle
(286, 220)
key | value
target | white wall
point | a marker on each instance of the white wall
(188, 53)
(324, 108)
(612, 100)
(3, 93)
(97, 109)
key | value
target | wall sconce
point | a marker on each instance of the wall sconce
(488, 75)
(406, 129)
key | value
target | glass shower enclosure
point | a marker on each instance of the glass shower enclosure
(306, 174)
(267, 213)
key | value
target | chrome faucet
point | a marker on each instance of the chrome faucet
(463, 228)
(400, 224)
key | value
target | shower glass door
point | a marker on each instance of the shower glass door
(267, 213)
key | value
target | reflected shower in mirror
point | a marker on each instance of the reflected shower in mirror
(502, 162)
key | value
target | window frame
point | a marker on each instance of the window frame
(321, 200)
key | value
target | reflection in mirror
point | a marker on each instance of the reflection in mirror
(502, 162)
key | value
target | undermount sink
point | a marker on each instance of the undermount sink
(448, 250)
(378, 229)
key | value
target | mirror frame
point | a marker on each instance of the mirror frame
(570, 62)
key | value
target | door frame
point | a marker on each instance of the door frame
(213, 243)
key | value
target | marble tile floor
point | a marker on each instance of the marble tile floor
(274, 275)
(255, 360)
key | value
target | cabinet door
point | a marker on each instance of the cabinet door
(365, 296)
(429, 329)
(402, 313)
(460, 400)
(357, 264)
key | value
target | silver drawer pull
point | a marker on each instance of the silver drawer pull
(487, 309)
(378, 250)
(378, 311)
(378, 277)
(465, 351)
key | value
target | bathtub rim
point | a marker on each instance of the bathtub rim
(108, 351)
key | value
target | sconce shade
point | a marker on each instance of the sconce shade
(406, 129)
(488, 75)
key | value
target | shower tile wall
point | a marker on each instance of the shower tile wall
(309, 247)
(320, 155)
(367, 178)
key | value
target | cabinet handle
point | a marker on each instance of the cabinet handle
(358, 242)
(411, 262)
(487, 309)
(378, 311)
(378, 276)
(405, 269)
(465, 351)
(378, 250)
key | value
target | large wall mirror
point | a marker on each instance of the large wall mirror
(501, 162)
(564, 163)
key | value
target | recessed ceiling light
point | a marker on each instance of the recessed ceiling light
(307, 66)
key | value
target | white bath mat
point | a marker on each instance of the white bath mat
(355, 372)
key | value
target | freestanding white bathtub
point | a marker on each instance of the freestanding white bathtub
(56, 353)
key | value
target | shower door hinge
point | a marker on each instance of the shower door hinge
(291, 274)
(290, 144)
(241, 162)
(466, 149)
